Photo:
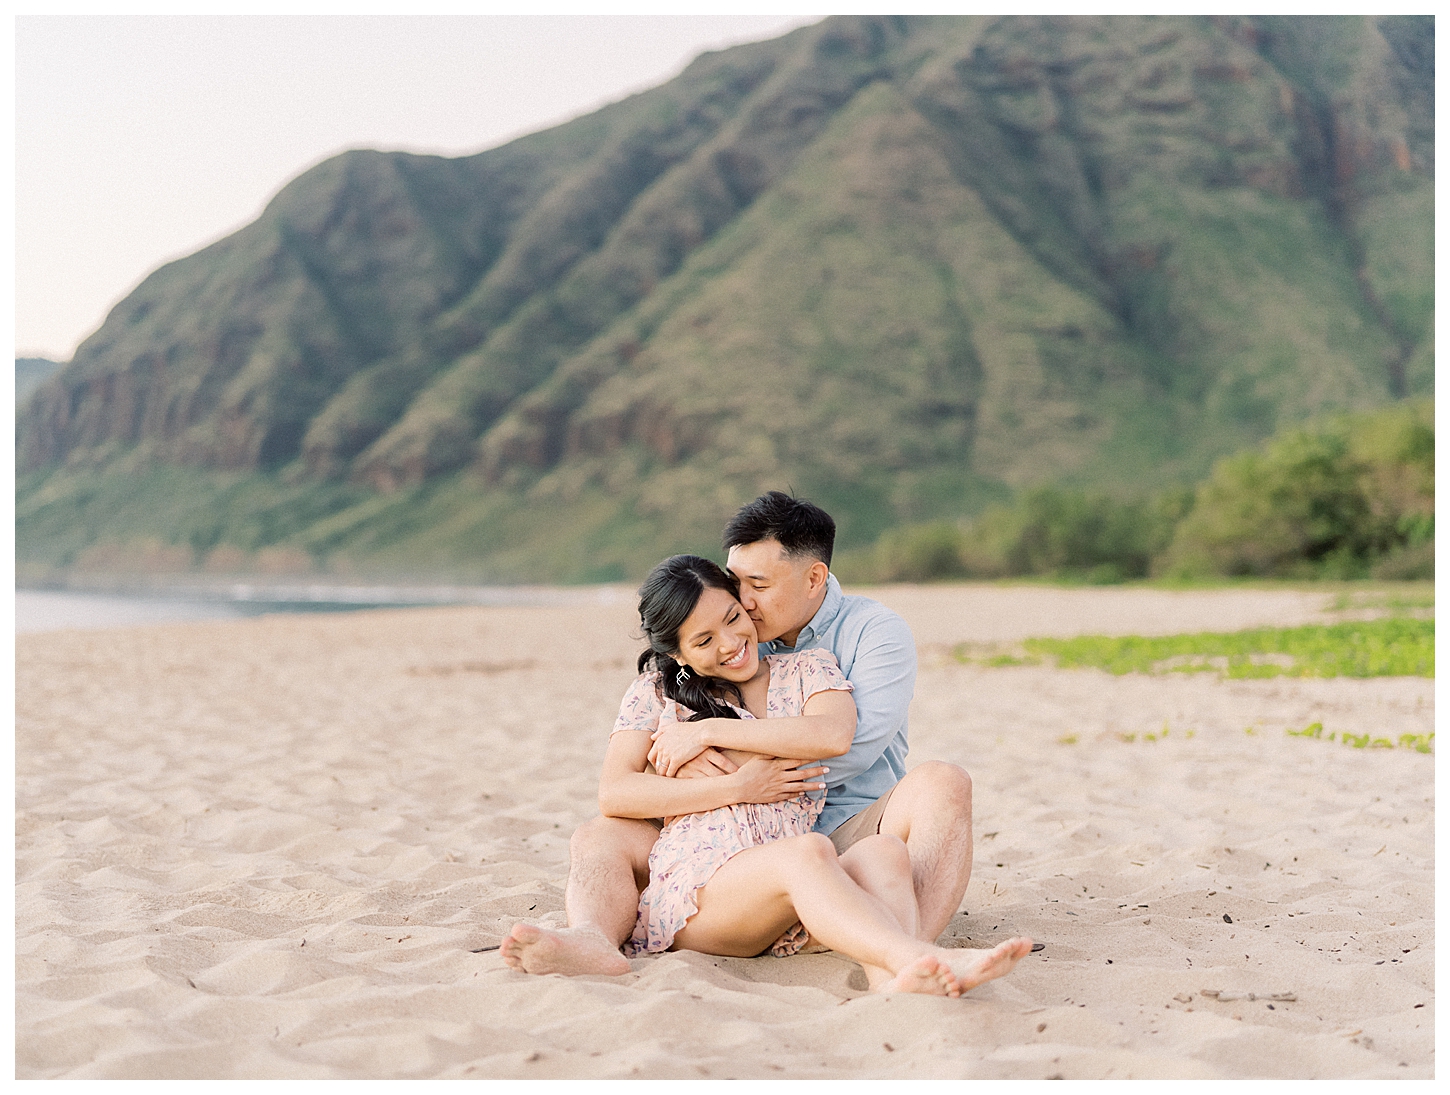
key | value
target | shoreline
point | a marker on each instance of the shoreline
(111, 604)
(282, 590)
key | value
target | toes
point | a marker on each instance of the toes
(933, 971)
(925, 975)
(1015, 949)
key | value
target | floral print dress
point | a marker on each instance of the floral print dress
(692, 847)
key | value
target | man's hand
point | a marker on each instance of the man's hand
(774, 779)
(675, 744)
(707, 765)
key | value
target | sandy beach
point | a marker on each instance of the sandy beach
(272, 847)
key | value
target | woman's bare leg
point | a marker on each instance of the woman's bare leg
(761, 891)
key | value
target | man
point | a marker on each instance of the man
(780, 549)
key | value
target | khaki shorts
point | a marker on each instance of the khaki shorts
(866, 823)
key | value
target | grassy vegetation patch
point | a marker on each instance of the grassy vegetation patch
(1420, 743)
(1152, 735)
(1391, 647)
(1396, 601)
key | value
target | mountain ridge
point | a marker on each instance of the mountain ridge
(1118, 247)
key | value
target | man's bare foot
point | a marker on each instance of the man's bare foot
(927, 974)
(564, 950)
(975, 967)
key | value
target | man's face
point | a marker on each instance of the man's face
(780, 593)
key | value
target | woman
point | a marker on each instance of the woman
(736, 868)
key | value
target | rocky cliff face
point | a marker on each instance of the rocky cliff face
(31, 373)
(884, 259)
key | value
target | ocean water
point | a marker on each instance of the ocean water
(39, 610)
(53, 610)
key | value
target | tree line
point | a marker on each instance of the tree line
(1352, 496)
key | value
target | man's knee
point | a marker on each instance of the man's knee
(945, 786)
(935, 794)
(604, 840)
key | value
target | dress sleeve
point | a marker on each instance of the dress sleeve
(820, 672)
(641, 707)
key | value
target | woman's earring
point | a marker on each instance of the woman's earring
(682, 677)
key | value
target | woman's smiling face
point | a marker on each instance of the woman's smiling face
(717, 639)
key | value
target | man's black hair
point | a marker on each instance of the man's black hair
(800, 528)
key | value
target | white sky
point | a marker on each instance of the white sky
(139, 139)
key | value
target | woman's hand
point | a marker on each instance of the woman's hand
(675, 744)
(775, 779)
(709, 764)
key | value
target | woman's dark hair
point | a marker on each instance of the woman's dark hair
(668, 596)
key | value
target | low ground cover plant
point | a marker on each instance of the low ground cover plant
(1420, 743)
(1395, 646)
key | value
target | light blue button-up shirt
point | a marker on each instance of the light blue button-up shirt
(878, 656)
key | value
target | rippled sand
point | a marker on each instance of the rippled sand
(269, 848)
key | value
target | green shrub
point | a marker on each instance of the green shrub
(1048, 531)
(919, 553)
(1350, 497)
(1092, 536)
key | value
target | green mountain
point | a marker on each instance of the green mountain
(905, 265)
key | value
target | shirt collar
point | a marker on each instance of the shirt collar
(829, 610)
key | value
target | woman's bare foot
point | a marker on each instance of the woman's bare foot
(927, 974)
(565, 950)
(975, 967)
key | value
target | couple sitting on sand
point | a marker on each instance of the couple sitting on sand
(750, 676)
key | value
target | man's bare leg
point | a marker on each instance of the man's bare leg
(881, 865)
(931, 810)
(608, 867)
